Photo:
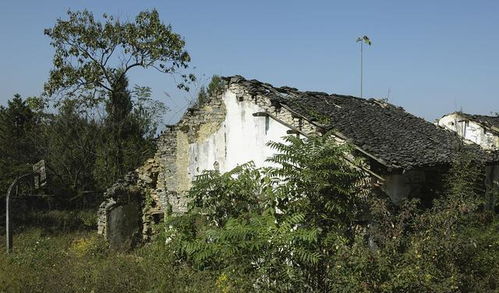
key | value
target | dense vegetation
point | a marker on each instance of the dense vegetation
(310, 223)
(84, 153)
(88, 125)
(73, 258)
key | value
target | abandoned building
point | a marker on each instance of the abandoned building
(404, 154)
(480, 129)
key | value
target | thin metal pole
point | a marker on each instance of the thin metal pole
(361, 67)
(8, 224)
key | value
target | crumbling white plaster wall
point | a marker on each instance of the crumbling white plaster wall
(220, 135)
(241, 137)
(470, 130)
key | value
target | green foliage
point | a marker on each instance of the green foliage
(222, 196)
(308, 225)
(448, 247)
(147, 112)
(91, 55)
(319, 182)
(305, 225)
(55, 221)
(126, 134)
(80, 262)
(83, 155)
(69, 149)
(214, 88)
(18, 138)
(274, 226)
(119, 105)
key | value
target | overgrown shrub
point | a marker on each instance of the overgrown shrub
(305, 225)
(308, 225)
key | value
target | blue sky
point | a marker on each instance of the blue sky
(433, 57)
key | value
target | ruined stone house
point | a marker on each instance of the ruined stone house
(404, 154)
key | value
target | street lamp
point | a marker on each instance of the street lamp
(362, 40)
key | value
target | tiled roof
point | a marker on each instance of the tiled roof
(387, 132)
(488, 121)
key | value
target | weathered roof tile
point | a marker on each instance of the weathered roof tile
(382, 129)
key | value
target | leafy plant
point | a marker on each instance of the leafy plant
(276, 225)
(91, 55)
(308, 224)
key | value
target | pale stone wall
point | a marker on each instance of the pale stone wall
(221, 135)
(473, 131)
(120, 215)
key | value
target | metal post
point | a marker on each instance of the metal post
(361, 68)
(367, 41)
(8, 224)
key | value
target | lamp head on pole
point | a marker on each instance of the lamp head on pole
(364, 39)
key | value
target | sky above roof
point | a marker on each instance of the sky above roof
(430, 57)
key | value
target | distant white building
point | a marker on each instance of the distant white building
(480, 129)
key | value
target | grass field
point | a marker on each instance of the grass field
(71, 257)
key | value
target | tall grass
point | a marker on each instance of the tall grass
(55, 258)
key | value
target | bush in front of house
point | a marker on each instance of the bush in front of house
(308, 225)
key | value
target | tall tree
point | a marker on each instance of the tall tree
(92, 55)
(119, 133)
(71, 137)
(127, 132)
(18, 127)
(119, 106)
(91, 62)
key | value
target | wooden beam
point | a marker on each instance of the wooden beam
(291, 131)
(295, 130)
(341, 136)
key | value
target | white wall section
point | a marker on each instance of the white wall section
(241, 137)
(470, 130)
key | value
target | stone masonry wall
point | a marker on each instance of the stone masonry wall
(164, 180)
(160, 181)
